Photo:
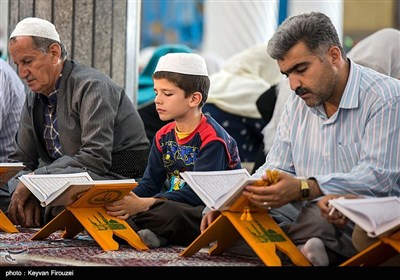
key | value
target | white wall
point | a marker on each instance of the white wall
(232, 26)
(333, 9)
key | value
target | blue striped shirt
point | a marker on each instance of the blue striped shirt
(356, 150)
(12, 98)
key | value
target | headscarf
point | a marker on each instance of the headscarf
(242, 79)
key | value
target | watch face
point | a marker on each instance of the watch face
(304, 190)
(305, 193)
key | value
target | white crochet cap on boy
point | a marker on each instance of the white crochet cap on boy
(183, 63)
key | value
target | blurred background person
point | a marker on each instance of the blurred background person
(12, 98)
(234, 92)
(281, 91)
(379, 51)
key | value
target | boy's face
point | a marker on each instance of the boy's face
(170, 100)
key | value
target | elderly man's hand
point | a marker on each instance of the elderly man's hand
(24, 208)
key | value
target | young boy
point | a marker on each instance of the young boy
(193, 141)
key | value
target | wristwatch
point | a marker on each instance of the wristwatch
(304, 190)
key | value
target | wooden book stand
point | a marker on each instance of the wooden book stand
(384, 249)
(88, 213)
(260, 232)
(6, 225)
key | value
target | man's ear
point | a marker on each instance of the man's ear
(335, 54)
(196, 99)
(55, 51)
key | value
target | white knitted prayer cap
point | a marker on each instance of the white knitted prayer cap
(183, 63)
(38, 27)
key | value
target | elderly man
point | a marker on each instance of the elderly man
(75, 119)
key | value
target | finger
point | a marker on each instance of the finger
(255, 200)
(203, 224)
(12, 214)
(21, 215)
(111, 204)
(337, 215)
(108, 207)
(260, 200)
(29, 219)
(112, 213)
(117, 213)
(113, 207)
(37, 217)
(325, 210)
(123, 217)
(340, 222)
(324, 205)
(207, 221)
(266, 205)
(256, 189)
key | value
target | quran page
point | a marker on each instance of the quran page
(45, 185)
(218, 189)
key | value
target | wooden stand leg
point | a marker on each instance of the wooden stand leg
(102, 227)
(88, 213)
(131, 237)
(63, 221)
(376, 254)
(221, 230)
(6, 224)
(393, 240)
(264, 236)
(261, 232)
(97, 223)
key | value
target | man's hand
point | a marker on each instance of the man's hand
(24, 208)
(285, 190)
(208, 219)
(333, 216)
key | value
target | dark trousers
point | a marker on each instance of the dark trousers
(4, 198)
(178, 222)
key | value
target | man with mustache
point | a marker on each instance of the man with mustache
(338, 134)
